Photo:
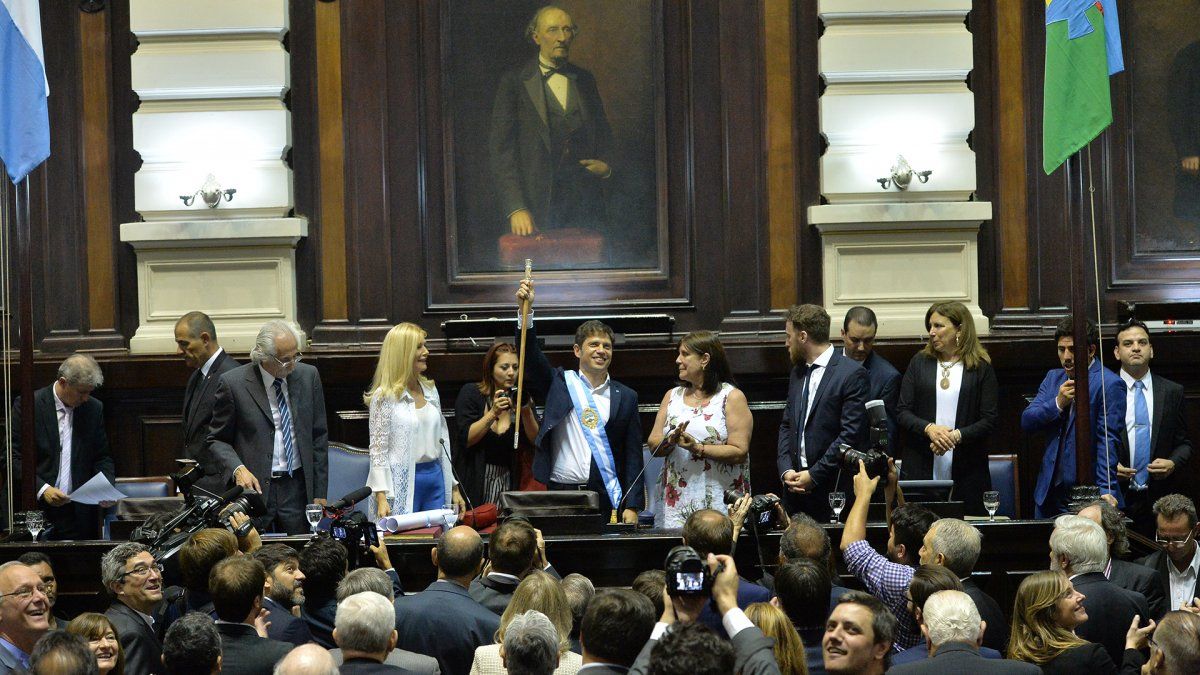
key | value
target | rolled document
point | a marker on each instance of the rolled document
(412, 521)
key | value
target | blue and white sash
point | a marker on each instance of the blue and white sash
(587, 416)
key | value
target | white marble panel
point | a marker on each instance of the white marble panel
(901, 115)
(164, 19)
(210, 70)
(263, 189)
(212, 137)
(895, 52)
(850, 173)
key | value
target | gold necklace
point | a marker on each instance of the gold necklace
(946, 368)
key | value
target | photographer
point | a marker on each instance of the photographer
(324, 563)
(883, 578)
(709, 531)
(679, 646)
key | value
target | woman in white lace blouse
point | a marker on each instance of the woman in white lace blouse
(410, 442)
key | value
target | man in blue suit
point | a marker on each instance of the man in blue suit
(858, 342)
(443, 621)
(591, 436)
(1053, 412)
(824, 410)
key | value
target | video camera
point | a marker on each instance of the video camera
(876, 456)
(198, 512)
(761, 514)
(352, 528)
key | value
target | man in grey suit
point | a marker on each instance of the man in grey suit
(954, 631)
(370, 579)
(268, 429)
(196, 339)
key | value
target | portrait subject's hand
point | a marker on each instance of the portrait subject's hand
(521, 223)
(1190, 164)
(596, 167)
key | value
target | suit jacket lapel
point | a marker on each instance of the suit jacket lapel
(834, 361)
(47, 417)
(189, 396)
(258, 391)
(537, 96)
(966, 393)
(1160, 401)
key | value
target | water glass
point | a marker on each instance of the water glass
(837, 502)
(898, 463)
(991, 502)
(34, 522)
(313, 513)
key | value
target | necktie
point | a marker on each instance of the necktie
(64, 457)
(285, 418)
(1141, 435)
(801, 448)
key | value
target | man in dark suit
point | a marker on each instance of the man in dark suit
(801, 587)
(374, 580)
(708, 531)
(954, 632)
(955, 545)
(1078, 548)
(804, 539)
(549, 138)
(269, 431)
(858, 342)
(24, 615)
(1178, 563)
(71, 446)
(591, 435)
(1128, 575)
(134, 578)
(283, 589)
(616, 624)
(365, 632)
(825, 409)
(1053, 412)
(196, 339)
(1156, 436)
(191, 645)
(513, 550)
(443, 621)
(236, 587)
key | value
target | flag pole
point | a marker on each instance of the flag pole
(24, 301)
(1084, 473)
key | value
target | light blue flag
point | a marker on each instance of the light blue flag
(24, 117)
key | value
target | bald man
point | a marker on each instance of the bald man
(309, 659)
(443, 621)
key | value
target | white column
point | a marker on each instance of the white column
(211, 77)
(896, 85)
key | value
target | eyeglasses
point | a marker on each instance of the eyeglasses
(142, 571)
(24, 592)
(1167, 542)
(293, 360)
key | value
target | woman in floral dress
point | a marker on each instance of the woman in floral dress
(712, 453)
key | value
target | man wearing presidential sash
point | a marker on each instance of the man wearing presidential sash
(591, 437)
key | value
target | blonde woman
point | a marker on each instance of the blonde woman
(789, 648)
(544, 593)
(1046, 612)
(410, 442)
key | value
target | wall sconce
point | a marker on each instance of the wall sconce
(902, 175)
(211, 192)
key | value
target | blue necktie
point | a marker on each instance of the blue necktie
(1141, 435)
(285, 418)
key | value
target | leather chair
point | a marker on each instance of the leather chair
(1007, 481)
(348, 469)
(139, 487)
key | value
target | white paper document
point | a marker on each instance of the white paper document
(96, 490)
(410, 521)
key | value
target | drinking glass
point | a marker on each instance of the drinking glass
(34, 522)
(898, 463)
(991, 502)
(313, 513)
(837, 502)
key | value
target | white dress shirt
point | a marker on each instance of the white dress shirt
(278, 453)
(816, 371)
(947, 414)
(1130, 419)
(66, 430)
(572, 454)
(560, 86)
(1183, 584)
(209, 363)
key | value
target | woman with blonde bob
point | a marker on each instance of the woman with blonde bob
(948, 406)
(102, 639)
(410, 442)
(1045, 615)
(544, 593)
(789, 648)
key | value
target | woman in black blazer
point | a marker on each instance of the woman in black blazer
(947, 408)
(1045, 614)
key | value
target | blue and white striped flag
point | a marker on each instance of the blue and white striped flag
(24, 120)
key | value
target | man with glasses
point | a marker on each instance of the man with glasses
(24, 615)
(1178, 563)
(134, 579)
(269, 430)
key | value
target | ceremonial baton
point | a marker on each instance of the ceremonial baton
(521, 357)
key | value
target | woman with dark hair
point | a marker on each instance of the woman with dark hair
(947, 410)
(484, 413)
(102, 639)
(712, 454)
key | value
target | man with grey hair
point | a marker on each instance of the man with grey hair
(269, 431)
(1079, 549)
(1175, 648)
(1178, 563)
(1128, 575)
(374, 580)
(70, 445)
(24, 615)
(955, 545)
(954, 632)
(365, 631)
(530, 645)
(133, 578)
(310, 659)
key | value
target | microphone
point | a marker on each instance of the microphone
(625, 496)
(350, 499)
(454, 473)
